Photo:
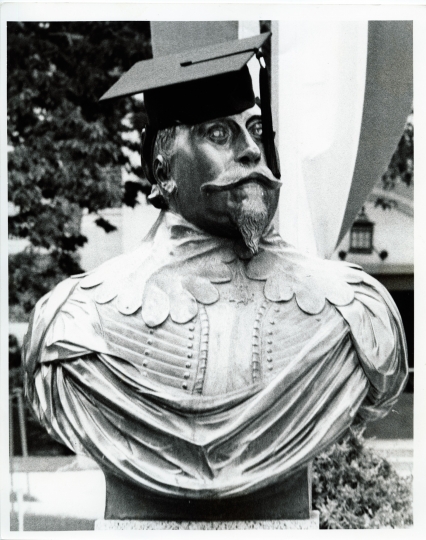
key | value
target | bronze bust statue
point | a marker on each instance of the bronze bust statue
(215, 361)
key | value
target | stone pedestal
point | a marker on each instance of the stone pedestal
(286, 505)
(147, 525)
(288, 500)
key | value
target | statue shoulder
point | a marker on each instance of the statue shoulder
(41, 319)
(373, 319)
(372, 311)
(366, 306)
(310, 280)
(63, 325)
(378, 336)
(159, 285)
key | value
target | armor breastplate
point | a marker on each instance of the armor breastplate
(188, 313)
(242, 339)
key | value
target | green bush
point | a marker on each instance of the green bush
(354, 488)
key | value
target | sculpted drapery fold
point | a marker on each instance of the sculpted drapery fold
(121, 363)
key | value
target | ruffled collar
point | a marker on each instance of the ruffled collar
(179, 266)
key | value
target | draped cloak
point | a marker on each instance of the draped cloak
(144, 363)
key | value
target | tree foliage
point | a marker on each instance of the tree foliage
(67, 150)
(32, 275)
(401, 167)
(66, 147)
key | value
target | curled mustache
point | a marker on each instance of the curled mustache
(238, 175)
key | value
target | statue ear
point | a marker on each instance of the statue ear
(161, 169)
(163, 177)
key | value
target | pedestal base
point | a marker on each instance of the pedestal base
(147, 525)
(289, 499)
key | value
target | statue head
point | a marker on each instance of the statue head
(215, 175)
(207, 148)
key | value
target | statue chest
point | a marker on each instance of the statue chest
(239, 340)
(231, 362)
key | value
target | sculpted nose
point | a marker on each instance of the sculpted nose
(248, 152)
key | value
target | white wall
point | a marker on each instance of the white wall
(393, 232)
(132, 226)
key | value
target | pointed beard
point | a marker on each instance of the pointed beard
(252, 219)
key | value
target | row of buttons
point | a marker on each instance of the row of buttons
(190, 345)
(269, 342)
(189, 355)
(256, 349)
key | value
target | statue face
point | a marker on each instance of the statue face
(221, 178)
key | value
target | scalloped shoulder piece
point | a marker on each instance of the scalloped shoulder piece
(183, 306)
(201, 288)
(214, 266)
(130, 292)
(92, 279)
(106, 293)
(168, 276)
(113, 269)
(155, 305)
(166, 295)
(174, 268)
(216, 274)
(279, 288)
(171, 291)
(311, 281)
(262, 265)
(79, 276)
(353, 273)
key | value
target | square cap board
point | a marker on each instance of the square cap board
(187, 66)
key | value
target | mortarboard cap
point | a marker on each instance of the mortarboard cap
(195, 86)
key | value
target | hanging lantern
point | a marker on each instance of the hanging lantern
(361, 237)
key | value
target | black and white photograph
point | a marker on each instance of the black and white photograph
(207, 268)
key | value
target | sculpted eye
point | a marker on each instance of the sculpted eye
(256, 129)
(218, 134)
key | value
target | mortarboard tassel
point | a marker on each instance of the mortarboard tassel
(268, 134)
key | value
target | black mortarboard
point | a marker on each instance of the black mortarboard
(194, 86)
